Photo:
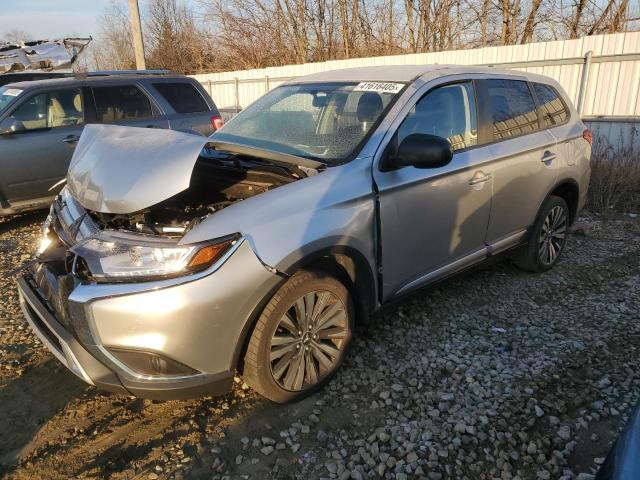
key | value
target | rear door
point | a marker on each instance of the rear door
(525, 157)
(36, 157)
(126, 104)
(188, 108)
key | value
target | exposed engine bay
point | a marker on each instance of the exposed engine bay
(218, 180)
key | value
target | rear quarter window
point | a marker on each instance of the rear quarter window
(554, 111)
(183, 97)
(513, 110)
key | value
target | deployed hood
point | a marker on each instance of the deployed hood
(118, 169)
(121, 170)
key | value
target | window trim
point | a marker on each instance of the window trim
(48, 92)
(155, 111)
(541, 114)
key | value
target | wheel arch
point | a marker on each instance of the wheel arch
(569, 190)
(345, 263)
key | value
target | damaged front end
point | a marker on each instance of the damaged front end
(115, 293)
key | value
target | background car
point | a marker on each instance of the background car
(41, 122)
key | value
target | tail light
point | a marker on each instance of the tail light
(588, 136)
(217, 122)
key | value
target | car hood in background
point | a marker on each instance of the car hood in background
(118, 169)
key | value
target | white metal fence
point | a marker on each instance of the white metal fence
(600, 73)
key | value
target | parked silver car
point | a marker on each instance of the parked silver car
(41, 122)
(170, 262)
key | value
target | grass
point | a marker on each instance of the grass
(615, 176)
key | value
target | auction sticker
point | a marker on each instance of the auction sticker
(12, 92)
(380, 87)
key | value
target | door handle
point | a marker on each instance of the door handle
(548, 157)
(479, 178)
(71, 139)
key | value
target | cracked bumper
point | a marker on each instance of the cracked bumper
(200, 321)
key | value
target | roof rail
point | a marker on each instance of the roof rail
(105, 73)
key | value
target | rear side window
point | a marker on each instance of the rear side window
(513, 110)
(183, 97)
(554, 110)
(121, 102)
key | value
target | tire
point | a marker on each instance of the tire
(282, 362)
(548, 237)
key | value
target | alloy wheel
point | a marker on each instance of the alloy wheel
(309, 340)
(552, 235)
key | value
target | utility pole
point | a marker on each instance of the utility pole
(136, 31)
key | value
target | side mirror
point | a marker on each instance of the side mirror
(422, 150)
(10, 125)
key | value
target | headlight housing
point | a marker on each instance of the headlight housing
(122, 257)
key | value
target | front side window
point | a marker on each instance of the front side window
(121, 102)
(554, 110)
(61, 108)
(448, 112)
(513, 110)
(325, 121)
(8, 95)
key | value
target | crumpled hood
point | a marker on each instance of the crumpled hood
(117, 169)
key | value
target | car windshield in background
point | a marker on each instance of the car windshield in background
(324, 122)
(8, 95)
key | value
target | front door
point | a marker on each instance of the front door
(37, 155)
(434, 221)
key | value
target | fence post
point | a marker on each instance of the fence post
(209, 87)
(266, 83)
(586, 67)
(237, 88)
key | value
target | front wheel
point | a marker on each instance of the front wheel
(548, 237)
(301, 337)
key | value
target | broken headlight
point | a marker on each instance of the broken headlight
(120, 257)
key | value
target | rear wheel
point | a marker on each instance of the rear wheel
(301, 337)
(548, 237)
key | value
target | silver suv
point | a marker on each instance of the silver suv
(170, 262)
(41, 122)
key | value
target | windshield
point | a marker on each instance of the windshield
(8, 95)
(324, 122)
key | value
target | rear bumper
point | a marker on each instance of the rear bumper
(198, 322)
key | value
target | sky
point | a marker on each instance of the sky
(51, 18)
(46, 19)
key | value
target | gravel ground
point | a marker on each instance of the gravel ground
(495, 374)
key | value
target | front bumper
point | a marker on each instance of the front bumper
(199, 321)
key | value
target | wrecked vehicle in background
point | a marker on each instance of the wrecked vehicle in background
(171, 261)
(41, 55)
(49, 116)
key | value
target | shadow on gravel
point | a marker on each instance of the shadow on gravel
(28, 403)
(18, 221)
